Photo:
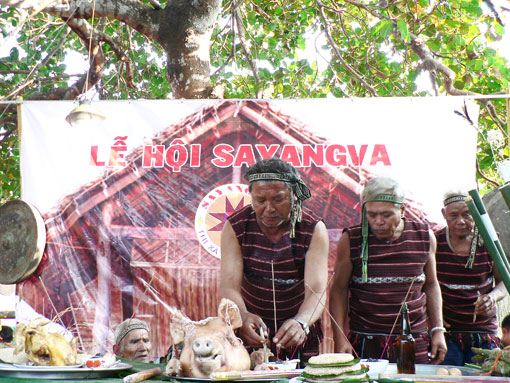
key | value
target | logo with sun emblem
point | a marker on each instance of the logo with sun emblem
(213, 211)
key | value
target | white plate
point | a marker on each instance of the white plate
(220, 381)
(256, 376)
(35, 367)
(60, 372)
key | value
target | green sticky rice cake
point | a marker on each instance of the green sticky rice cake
(339, 367)
(331, 358)
(344, 378)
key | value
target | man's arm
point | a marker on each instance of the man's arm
(434, 304)
(339, 293)
(316, 279)
(230, 286)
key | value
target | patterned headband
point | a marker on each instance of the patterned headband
(386, 198)
(300, 189)
(455, 198)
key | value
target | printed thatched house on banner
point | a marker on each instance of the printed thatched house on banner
(129, 244)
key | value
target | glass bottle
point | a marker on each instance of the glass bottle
(405, 345)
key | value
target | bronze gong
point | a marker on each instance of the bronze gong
(22, 241)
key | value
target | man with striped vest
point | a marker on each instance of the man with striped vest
(274, 263)
(381, 263)
(470, 284)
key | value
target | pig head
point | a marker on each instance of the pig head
(209, 345)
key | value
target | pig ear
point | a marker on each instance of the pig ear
(177, 328)
(229, 312)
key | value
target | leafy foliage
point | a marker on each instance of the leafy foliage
(283, 49)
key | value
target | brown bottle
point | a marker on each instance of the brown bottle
(405, 346)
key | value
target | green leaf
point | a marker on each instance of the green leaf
(474, 11)
(500, 30)
(485, 162)
(402, 28)
(309, 71)
(476, 64)
(459, 41)
(14, 54)
(301, 42)
(459, 84)
(383, 28)
(452, 23)
(434, 44)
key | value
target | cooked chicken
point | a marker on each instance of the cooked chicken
(42, 347)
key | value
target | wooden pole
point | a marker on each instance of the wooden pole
(489, 226)
(508, 117)
(489, 236)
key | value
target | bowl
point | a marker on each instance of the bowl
(283, 365)
(376, 366)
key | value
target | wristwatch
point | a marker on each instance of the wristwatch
(304, 325)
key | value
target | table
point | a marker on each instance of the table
(425, 373)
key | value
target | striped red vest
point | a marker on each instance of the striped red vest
(459, 286)
(373, 306)
(287, 258)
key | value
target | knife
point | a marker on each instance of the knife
(266, 351)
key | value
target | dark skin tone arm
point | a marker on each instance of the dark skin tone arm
(434, 304)
(231, 278)
(339, 293)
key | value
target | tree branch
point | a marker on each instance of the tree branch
(49, 55)
(337, 54)
(134, 13)
(246, 49)
(479, 171)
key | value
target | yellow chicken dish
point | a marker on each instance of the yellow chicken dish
(44, 348)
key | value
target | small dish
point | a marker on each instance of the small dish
(283, 365)
(376, 366)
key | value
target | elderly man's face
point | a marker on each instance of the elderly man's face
(458, 218)
(383, 218)
(272, 202)
(136, 345)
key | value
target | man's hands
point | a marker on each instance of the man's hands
(485, 305)
(438, 349)
(290, 334)
(250, 331)
(343, 345)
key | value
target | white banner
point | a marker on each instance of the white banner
(134, 204)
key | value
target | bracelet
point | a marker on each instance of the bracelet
(437, 328)
(303, 325)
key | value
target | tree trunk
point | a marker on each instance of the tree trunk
(186, 37)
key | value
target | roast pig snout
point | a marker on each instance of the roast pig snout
(203, 347)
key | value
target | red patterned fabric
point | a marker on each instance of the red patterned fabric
(460, 287)
(373, 306)
(287, 259)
